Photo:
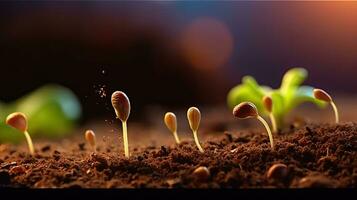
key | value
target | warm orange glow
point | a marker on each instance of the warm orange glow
(207, 43)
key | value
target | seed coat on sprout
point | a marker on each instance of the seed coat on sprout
(121, 105)
(268, 104)
(171, 124)
(194, 119)
(19, 121)
(324, 96)
(91, 139)
(246, 110)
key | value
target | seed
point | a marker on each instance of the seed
(268, 103)
(91, 139)
(121, 105)
(171, 123)
(202, 173)
(277, 172)
(245, 110)
(322, 95)
(194, 118)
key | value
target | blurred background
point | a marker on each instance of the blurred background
(174, 54)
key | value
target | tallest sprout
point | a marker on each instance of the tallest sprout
(324, 96)
(121, 105)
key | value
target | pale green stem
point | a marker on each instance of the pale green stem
(197, 142)
(176, 137)
(268, 130)
(336, 111)
(125, 138)
(273, 123)
(29, 142)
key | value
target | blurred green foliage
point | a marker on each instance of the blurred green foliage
(52, 111)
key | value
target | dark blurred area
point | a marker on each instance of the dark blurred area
(175, 54)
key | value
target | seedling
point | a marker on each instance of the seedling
(171, 123)
(268, 105)
(121, 105)
(91, 139)
(290, 94)
(324, 96)
(194, 119)
(249, 110)
(18, 121)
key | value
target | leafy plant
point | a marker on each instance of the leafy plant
(290, 94)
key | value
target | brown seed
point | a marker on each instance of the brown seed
(17, 120)
(202, 173)
(245, 110)
(268, 103)
(90, 137)
(170, 121)
(277, 172)
(121, 105)
(194, 118)
(322, 95)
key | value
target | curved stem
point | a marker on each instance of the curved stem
(273, 123)
(336, 111)
(268, 130)
(197, 142)
(125, 139)
(176, 137)
(29, 143)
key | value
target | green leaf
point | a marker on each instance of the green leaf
(292, 79)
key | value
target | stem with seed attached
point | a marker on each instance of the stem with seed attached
(29, 142)
(268, 130)
(336, 111)
(197, 142)
(125, 138)
(176, 137)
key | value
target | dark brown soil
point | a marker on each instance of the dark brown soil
(315, 155)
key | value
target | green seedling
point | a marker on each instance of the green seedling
(171, 123)
(290, 94)
(194, 119)
(268, 105)
(246, 110)
(18, 121)
(324, 96)
(91, 139)
(121, 105)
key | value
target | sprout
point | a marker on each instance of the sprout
(171, 123)
(194, 118)
(268, 105)
(121, 106)
(290, 94)
(249, 110)
(324, 96)
(18, 120)
(90, 137)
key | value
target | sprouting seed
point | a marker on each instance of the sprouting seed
(246, 110)
(268, 104)
(324, 96)
(18, 120)
(91, 139)
(121, 105)
(194, 119)
(171, 123)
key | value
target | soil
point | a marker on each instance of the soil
(313, 155)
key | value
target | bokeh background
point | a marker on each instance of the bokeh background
(174, 54)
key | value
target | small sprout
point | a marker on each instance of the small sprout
(121, 105)
(18, 121)
(194, 119)
(202, 173)
(90, 137)
(248, 110)
(171, 123)
(268, 105)
(277, 172)
(324, 96)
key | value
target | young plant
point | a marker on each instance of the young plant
(18, 121)
(290, 94)
(91, 139)
(121, 105)
(268, 105)
(171, 123)
(324, 96)
(194, 119)
(249, 110)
